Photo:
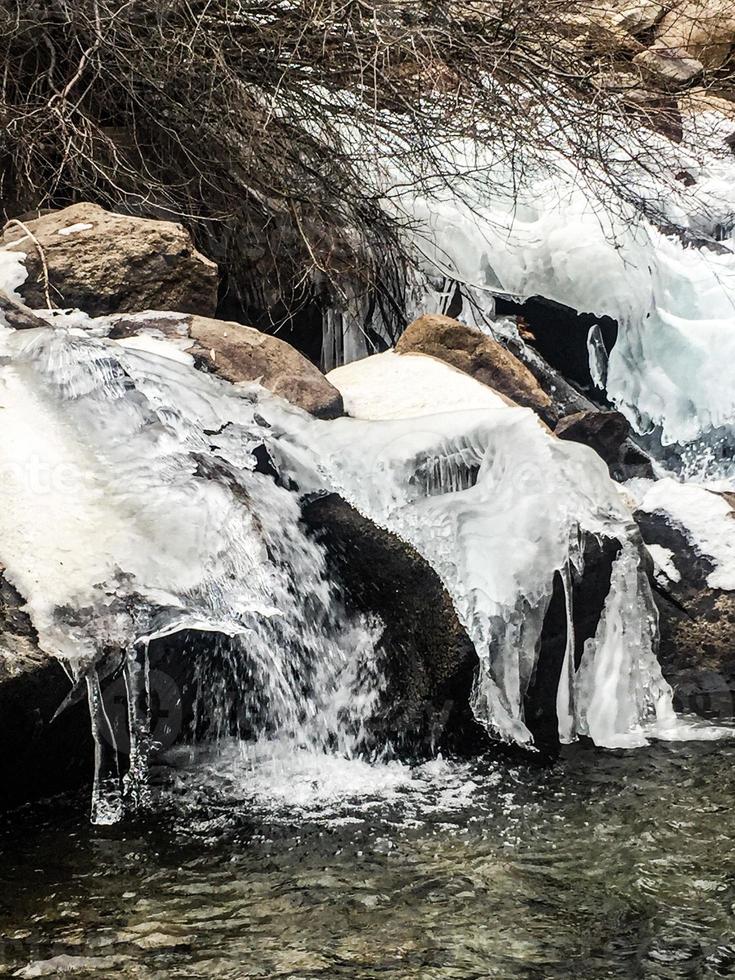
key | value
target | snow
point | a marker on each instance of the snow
(665, 565)
(705, 516)
(401, 386)
(73, 229)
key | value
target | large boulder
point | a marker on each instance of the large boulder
(428, 658)
(238, 353)
(103, 262)
(478, 355)
(701, 29)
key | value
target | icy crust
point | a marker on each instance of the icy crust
(705, 516)
(498, 506)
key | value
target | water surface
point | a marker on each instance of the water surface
(604, 864)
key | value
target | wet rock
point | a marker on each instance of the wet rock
(103, 262)
(605, 432)
(38, 758)
(429, 659)
(696, 621)
(238, 353)
(478, 355)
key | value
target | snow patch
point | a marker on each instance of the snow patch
(73, 229)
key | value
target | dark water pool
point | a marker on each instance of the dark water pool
(603, 865)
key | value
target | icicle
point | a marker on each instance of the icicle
(565, 692)
(597, 356)
(619, 686)
(137, 684)
(107, 805)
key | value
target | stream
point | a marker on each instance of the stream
(602, 864)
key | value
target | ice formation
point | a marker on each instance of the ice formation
(555, 234)
(148, 517)
(130, 509)
(498, 506)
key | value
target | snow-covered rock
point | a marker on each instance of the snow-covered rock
(478, 355)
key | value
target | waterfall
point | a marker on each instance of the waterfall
(132, 508)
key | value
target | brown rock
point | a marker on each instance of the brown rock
(478, 355)
(103, 262)
(239, 353)
(605, 432)
(669, 66)
(702, 29)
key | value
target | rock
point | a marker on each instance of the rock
(478, 355)
(696, 101)
(669, 66)
(103, 262)
(18, 315)
(521, 370)
(696, 621)
(428, 658)
(238, 353)
(658, 111)
(605, 432)
(703, 30)
(631, 17)
(37, 758)
(638, 16)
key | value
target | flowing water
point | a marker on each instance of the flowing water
(604, 864)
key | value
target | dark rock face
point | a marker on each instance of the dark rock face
(38, 758)
(608, 434)
(697, 625)
(105, 263)
(429, 660)
(478, 355)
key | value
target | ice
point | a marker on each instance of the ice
(498, 506)
(130, 509)
(705, 516)
(665, 564)
(555, 232)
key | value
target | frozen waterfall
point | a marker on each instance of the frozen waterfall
(132, 509)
